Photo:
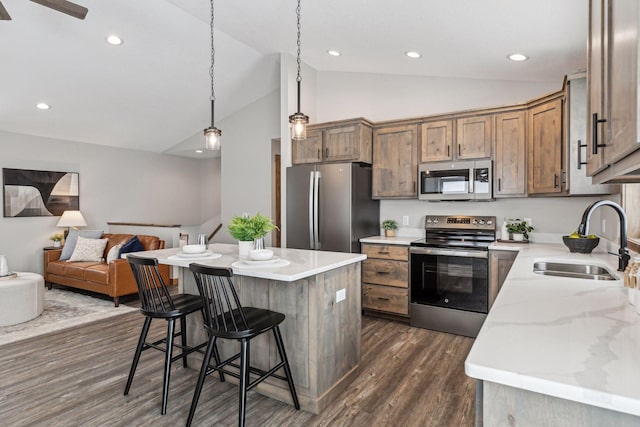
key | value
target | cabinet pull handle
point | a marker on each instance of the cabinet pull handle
(383, 252)
(580, 147)
(555, 180)
(499, 184)
(326, 152)
(448, 150)
(594, 132)
(383, 272)
(383, 299)
(319, 155)
(414, 186)
(458, 150)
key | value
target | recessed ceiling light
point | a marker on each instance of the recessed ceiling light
(413, 54)
(334, 53)
(199, 151)
(42, 106)
(518, 57)
(114, 40)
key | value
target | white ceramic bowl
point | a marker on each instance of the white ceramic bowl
(193, 249)
(260, 254)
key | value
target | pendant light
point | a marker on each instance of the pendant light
(298, 120)
(212, 134)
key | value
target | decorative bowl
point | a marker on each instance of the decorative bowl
(580, 245)
(193, 249)
(260, 254)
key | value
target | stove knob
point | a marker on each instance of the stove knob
(489, 222)
(429, 221)
(435, 221)
(482, 222)
(474, 222)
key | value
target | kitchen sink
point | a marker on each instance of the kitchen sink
(576, 271)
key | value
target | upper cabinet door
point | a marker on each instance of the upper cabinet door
(341, 143)
(473, 137)
(308, 150)
(395, 166)
(544, 141)
(595, 84)
(436, 141)
(510, 155)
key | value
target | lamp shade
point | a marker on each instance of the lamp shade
(71, 219)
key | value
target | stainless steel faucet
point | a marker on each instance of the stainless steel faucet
(583, 229)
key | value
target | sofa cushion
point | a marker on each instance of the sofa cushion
(115, 239)
(88, 249)
(98, 273)
(56, 267)
(77, 269)
(114, 253)
(132, 245)
(70, 241)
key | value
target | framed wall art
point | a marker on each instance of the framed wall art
(39, 193)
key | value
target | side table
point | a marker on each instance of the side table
(21, 298)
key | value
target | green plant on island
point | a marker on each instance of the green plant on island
(56, 237)
(248, 228)
(520, 228)
(390, 224)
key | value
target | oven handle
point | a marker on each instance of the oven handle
(450, 252)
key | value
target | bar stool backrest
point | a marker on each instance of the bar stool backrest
(222, 309)
(155, 299)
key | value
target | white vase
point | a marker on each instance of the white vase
(517, 236)
(56, 244)
(244, 248)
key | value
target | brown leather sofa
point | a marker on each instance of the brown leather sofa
(114, 279)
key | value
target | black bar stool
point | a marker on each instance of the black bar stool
(156, 303)
(224, 317)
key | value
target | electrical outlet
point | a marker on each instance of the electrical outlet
(341, 295)
(405, 220)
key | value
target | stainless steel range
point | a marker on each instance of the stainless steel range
(450, 274)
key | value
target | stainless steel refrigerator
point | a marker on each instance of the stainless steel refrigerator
(329, 207)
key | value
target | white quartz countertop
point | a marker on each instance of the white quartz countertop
(398, 240)
(302, 263)
(575, 339)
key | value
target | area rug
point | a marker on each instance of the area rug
(62, 309)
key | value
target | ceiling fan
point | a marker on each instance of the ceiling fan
(63, 6)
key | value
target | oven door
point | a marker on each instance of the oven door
(457, 279)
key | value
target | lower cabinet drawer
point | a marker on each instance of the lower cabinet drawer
(386, 272)
(385, 298)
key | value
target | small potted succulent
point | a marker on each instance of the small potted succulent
(56, 239)
(519, 230)
(250, 231)
(390, 226)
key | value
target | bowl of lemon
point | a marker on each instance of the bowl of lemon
(581, 244)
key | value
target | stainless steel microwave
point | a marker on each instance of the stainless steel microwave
(464, 180)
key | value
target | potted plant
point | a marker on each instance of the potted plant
(390, 226)
(250, 231)
(519, 230)
(56, 239)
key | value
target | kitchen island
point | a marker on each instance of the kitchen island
(558, 351)
(319, 293)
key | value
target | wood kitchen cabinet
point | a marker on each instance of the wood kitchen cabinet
(343, 141)
(472, 139)
(545, 146)
(385, 280)
(500, 263)
(395, 162)
(510, 155)
(612, 112)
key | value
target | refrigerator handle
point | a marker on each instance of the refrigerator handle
(316, 211)
(311, 210)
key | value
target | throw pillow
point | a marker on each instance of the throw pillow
(133, 245)
(114, 253)
(88, 249)
(70, 241)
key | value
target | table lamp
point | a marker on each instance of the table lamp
(71, 219)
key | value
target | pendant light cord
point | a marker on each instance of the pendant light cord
(211, 68)
(298, 78)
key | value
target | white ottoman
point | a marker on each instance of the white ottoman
(21, 298)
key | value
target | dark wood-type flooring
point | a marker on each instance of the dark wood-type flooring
(408, 377)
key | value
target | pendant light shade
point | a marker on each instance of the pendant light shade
(298, 120)
(212, 134)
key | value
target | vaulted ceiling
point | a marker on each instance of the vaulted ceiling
(152, 92)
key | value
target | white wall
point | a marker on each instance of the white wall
(116, 185)
(246, 161)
